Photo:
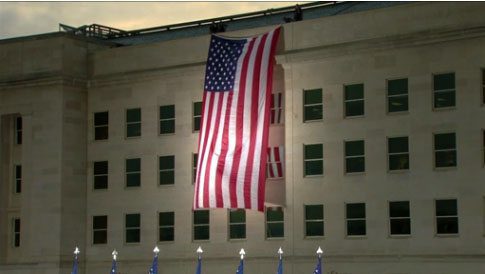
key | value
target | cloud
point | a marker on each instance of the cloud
(28, 18)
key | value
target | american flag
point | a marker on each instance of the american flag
(276, 108)
(275, 161)
(235, 122)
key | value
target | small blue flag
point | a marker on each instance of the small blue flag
(280, 267)
(240, 268)
(318, 268)
(113, 267)
(74, 266)
(154, 268)
(199, 266)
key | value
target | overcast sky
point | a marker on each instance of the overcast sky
(27, 18)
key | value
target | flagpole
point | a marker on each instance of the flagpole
(199, 251)
(240, 269)
(113, 266)
(74, 265)
(280, 263)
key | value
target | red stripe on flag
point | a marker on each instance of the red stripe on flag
(196, 203)
(254, 121)
(239, 124)
(222, 158)
(269, 86)
(205, 200)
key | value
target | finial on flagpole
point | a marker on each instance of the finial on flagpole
(76, 251)
(319, 252)
(280, 252)
(115, 254)
(199, 251)
(242, 253)
(156, 250)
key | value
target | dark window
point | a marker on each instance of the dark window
(18, 179)
(194, 167)
(197, 115)
(314, 220)
(16, 232)
(100, 171)
(167, 170)
(400, 220)
(133, 172)
(354, 156)
(398, 149)
(275, 226)
(237, 224)
(101, 121)
(313, 159)
(18, 130)
(446, 216)
(444, 90)
(356, 219)
(483, 146)
(397, 95)
(132, 228)
(100, 229)
(312, 105)
(133, 122)
(166, 224)
(167, 119)
(354, 100)
(201, 225)
(445, 150)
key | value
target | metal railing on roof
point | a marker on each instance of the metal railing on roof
(100, 31)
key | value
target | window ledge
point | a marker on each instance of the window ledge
(312, 121)
(133, 137)
(399, 236)
(354, 117)
(132, 187)
(398, 171)
(166, 185)
(166, 134)
(275, 239)
(131, 244)
(354, 173)
(397, 113)
(451, 168)
(314, 237)
(447, 235)
(313, 176)
(166, 242)
(201, 241)
(236, 240)
(356, 237)
(444, 108)
(99, 189)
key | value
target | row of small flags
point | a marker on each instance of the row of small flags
(240, 269)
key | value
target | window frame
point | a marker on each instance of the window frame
(266, 223)
(231, 224)
(126, 228)
(389, 154)
(195, 158)
(165, 170)
(133, 123)
(194, 116)
(17, 187)
(194, 225)
(166, 226)
(312, 160)
(306, 221)
(354, 156)
(483, 147)
(132, 172)
(397, 95)
(445, 150)
(94, 230)
(164, 119)
(99, 175)
(18, 130)
(16, 233)
(353, 100)
(482, 70)
(101, 126)
(347, 219)
(312, 105)
(279, 109)
(399, 218)
(442, 91)
(446, 216)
